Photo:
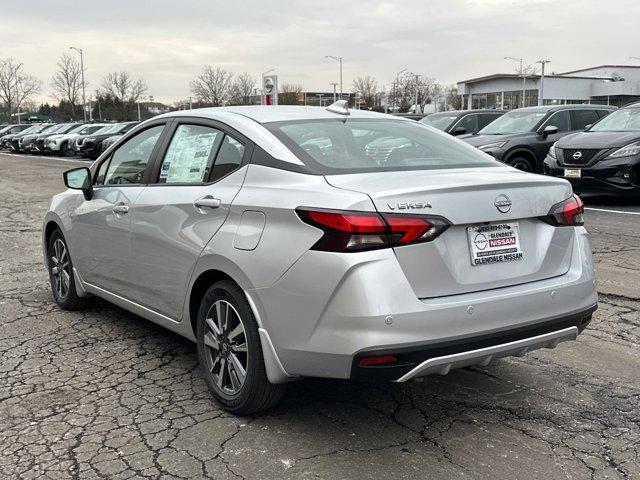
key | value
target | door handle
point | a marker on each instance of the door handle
(121, 209)
(207, 202)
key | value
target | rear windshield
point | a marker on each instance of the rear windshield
(439, 120)
(362, 145)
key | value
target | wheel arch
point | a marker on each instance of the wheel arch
(525, 153)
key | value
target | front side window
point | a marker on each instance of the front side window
(330, 146)
(190, 154)
(514, 122)
(582, 118)
(129, 162)
(469, 123)
(623, 120)
(561, 119)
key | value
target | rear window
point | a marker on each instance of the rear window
(362, 145)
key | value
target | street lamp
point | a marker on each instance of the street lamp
(334, 90)
(337, 59)
(84, 101)
(541, 94)
(524, 78)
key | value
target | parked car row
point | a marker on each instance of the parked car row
(63, 139)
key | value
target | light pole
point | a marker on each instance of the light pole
(262, 86)
(84, 101)
(415, 103)
(337, 59)
(541, 93)
(524, 78)
(319, 95)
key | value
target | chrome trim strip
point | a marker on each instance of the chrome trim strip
(483, 356)
(129, 305)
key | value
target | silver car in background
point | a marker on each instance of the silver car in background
(279, 241)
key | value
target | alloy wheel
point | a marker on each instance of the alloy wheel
(226, 350)
(60, 268)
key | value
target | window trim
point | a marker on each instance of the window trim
(453, 127)
(95, 168)
(551, 115)
(204, 122)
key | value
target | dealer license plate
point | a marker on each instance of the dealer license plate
(572, 173)
(494, 243)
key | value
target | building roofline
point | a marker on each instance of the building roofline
(536, 76)
(599, 66)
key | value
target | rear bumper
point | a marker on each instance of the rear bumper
(619, 176)
(329, 310)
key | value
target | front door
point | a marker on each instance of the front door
(102, 224)
(174, 218)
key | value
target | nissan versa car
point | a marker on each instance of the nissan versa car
(603, 159)
(281, 259)
(460, 122)
(522, 137)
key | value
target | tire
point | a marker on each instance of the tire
(63, 284)
(65, 151)
(227, 324)
(521, 163)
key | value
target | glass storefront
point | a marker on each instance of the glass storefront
(512, 100)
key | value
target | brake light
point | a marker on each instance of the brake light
(569, 212)
(358, 231)
(377, 361)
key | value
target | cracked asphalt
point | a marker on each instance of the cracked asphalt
(105, 394)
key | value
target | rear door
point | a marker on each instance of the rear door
(102, 225)
(541, 143)
(195, 180)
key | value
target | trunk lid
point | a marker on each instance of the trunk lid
(467, 197)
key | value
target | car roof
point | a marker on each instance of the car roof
(464, 112)
(266, 114)
(555, 108)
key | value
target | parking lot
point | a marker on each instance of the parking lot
(105, 394)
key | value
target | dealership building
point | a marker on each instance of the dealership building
(605, 85)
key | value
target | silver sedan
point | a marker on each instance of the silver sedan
(294, 242)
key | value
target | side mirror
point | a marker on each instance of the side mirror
(549, 130)
(458, 131)
(79, 179)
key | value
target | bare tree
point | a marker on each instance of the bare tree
(368, 89)
(290, 94)
(212, 85)
(453, 98)
(242, 89)
(16, 87)
(67, 82)
(122, 87)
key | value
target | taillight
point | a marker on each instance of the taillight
(358, 231)
(567, 213)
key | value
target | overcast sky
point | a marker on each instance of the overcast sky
(168, 42)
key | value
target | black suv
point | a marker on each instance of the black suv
(522, 137)
(89, 145)
(605, 158)
(459, 122)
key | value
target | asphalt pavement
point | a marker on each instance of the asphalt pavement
(105, 394)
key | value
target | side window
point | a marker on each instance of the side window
(469, 123)
(129, 162)
(561, 119)
(582, 118)
(102, 170)
(228, 159)
(190, 154)
(603, 113)
(487, 118)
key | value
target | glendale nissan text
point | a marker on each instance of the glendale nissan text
(276, 239)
